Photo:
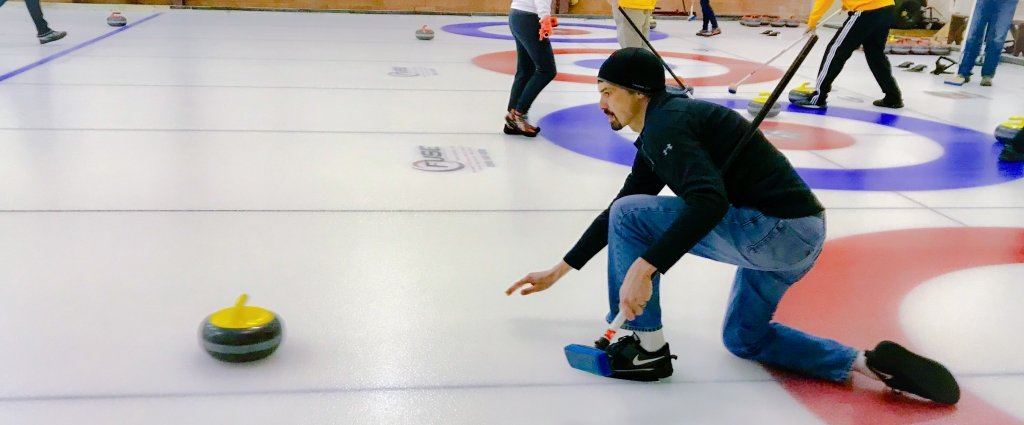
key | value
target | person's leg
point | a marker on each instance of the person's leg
(772, 254)
(998, 27)
(524, 65)
(634, 224)
(843, 44)
(627, 35)
(705, 13)
(646, 16)
(540, 53)
(36, 11)
(710, 12)
(622, 29)
(874, 52)
(975, 36)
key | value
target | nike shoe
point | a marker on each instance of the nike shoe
(51, 36)
(905, 371)
(806, 103)
(630, 361)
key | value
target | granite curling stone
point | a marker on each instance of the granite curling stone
(116, 19)
(801, 94)
(1009, 129)
(755, 105)
(241, 333)
(425, 33)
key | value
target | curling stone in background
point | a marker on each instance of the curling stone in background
(802, 93)
(1009, 129)
(116, 19)
(902, 46)
(921, 47)
(241, 333)
(755, 105)
(425, 33)
(940, 49)
(750, 21)
(654, 23)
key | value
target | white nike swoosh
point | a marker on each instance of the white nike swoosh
(883, 375)
(638, 362)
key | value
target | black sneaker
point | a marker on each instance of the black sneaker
(51, 36)
(806, 103)
(1010, 154)
(904, 371)
(894, 104)
(630, 361)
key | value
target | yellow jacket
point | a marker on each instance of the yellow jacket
(638, 4)
(820, 6)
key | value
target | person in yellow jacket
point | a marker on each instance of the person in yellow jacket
(641, 12)
(867, 24)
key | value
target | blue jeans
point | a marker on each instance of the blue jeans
(772, 254)
(535, 61)
(36, 12)
(991, 23)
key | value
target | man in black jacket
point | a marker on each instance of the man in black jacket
(758, 214)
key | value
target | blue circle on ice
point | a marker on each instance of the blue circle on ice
(969, 157)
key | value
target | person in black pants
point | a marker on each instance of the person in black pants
(44, 33)
(531, 23)
(867, 24)
(709, 17)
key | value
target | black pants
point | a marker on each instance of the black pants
(708, 14)
(535, 66)
(37, 15)
(869, 29)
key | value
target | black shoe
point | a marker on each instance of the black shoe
(51, 36)
(630, 361)
(894, 104)
(1010, 154)
(902, 370)
(806, 103)
(517, 124)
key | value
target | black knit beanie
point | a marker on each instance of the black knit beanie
(634, 68)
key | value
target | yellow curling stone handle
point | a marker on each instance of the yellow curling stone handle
(241, 316)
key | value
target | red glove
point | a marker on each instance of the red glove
(546, 26)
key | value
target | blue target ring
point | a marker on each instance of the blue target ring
(473, 29)
(969, 158)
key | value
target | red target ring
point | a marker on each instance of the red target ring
(793, 136)
(853, 294)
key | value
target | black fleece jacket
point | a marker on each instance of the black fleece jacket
(684, 144)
